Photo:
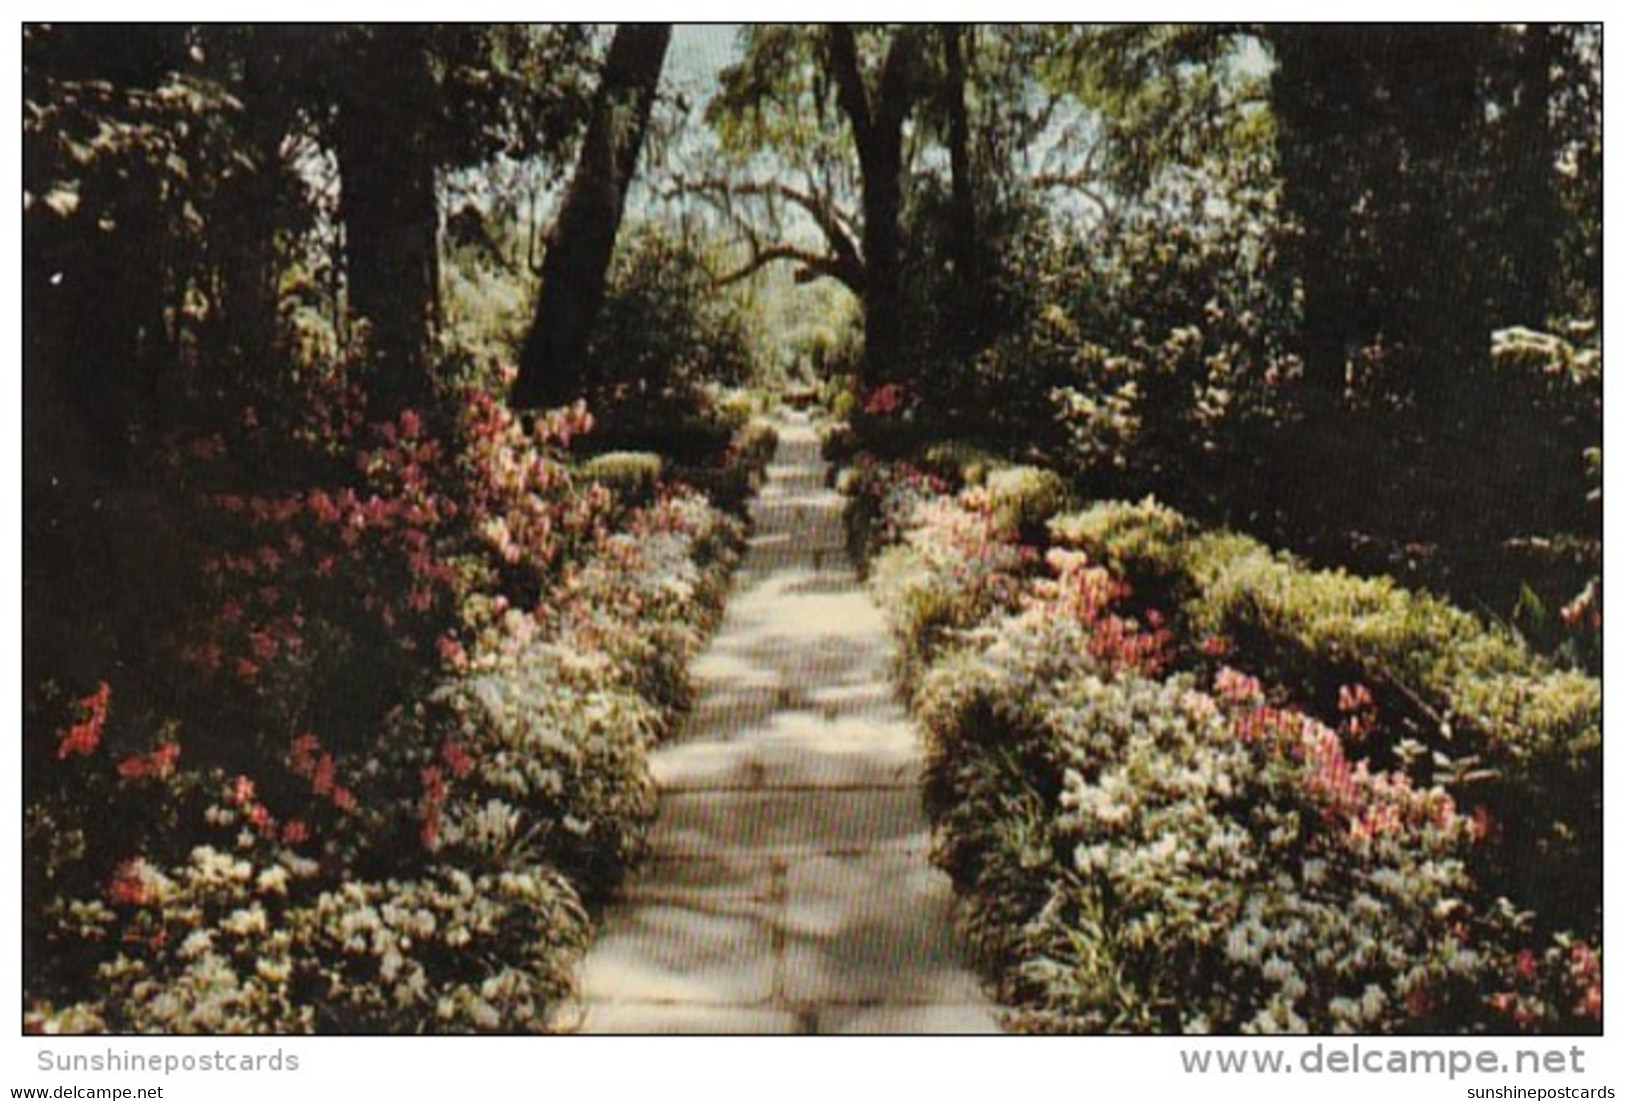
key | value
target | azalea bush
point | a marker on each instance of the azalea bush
(1149, 837)
(1513, 735)
(446, 649)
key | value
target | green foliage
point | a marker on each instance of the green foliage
(1168, 96)
(1479, 676)
(485, 307)
(959, 462)
(755, 444)
(663, 326)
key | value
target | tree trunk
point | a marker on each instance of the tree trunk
(245, 229)
(391, 216)
(877, 128)
(1315, 150)
(1535, 212)
(1380, 144)
(962, 240)
(576, 266)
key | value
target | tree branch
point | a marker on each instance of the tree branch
(813, 266)
(1075, 181)
(843, 261)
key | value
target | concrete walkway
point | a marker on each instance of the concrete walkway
(789, 889)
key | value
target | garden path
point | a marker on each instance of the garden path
(789, 888)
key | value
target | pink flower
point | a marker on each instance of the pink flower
(130, 885)
(456, 758)
(242, 791)
(1236, 686)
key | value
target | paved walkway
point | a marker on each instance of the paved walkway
(789, 888)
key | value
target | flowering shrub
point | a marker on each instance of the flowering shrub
(1179, 874)
(223, 943)
(881, 500)
(491, 642)
(956, 567)
(1518, 738)
(556, 772)
(1152, 839)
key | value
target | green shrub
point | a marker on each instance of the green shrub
(960, 462)
(1151, 855)
(1023, 499)
(754, 445)
(955, 568)
(633, 476)
(921, 607)
(447, 952)
(663, 325)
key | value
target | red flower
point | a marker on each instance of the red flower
(452, 652)
(260, 818)
(1353, 697)
(322, 777)
(86, 735)
(302, 754)
(160, 763)
(884, 401)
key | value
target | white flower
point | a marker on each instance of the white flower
(273, 881)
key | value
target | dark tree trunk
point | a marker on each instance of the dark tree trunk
(391, 218)
(1442, 276)
(1380, 145)
(877, 127)
(94, 303)
(244, 240)
(1535, 223)
(576, 266)
(963, 243)
(1316, 144)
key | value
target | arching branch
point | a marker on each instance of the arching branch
(841, 259)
